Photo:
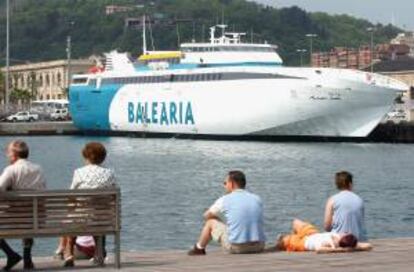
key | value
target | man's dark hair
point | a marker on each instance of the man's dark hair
(20, 149)
(238, 177)
(348, 240)
(343, 180)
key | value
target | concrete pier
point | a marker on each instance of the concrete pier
(38, 128)
(383, 133)
(388, 255)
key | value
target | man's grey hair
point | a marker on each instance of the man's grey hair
(20, 149)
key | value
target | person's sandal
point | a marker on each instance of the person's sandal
(69, 262)
(12, 261)
(58, 255)
(195, 251)
(28, 265)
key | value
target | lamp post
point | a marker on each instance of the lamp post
(69, 55)
(311, 36)
(6, 89)
(301, 52)
(69, 58)
(371, 31)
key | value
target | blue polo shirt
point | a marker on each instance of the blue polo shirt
(242, 212)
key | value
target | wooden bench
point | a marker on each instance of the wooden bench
(62, 213)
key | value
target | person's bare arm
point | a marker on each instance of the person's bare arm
(359, 247)
(214, 211)
(328, 215)
(5, 180)
(209, 215)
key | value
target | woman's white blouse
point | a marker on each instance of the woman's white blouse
(93, 176)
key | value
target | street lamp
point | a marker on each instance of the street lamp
(69, 54)
(301, 52)
(371, 30)
(6, 89)
(311, 36)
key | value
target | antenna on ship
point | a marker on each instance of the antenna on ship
(193, 39)
(203, 30)
(151, 37)
(144, 36)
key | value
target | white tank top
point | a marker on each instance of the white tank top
(316, 240)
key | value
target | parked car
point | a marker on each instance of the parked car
(23, 116)
(60, 115)
(397, 114)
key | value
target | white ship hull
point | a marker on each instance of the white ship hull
(303, 105)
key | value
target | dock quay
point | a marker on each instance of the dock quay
(38, 128)
(388, 255)
(383, 133)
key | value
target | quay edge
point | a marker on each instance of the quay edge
(383, 133)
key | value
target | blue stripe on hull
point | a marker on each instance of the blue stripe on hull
(89, 106)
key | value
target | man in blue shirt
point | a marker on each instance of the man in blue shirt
(344, 212)
(235, 220)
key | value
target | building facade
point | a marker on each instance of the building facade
(46, 80)
(407, 39)
(343, 57)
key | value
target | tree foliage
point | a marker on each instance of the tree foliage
(2, 85)
(23, 96)
(40, 27)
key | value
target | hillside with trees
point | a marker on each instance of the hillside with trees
(39, 28)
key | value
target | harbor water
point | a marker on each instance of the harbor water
(167, 183)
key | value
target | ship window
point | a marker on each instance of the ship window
(79, 80)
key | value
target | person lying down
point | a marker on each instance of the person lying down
(306, 237)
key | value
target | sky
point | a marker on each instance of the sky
(397, 12)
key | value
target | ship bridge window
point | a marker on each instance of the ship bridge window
(79, 80)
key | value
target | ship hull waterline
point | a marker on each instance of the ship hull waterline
(278, 109)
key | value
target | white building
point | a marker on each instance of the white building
(405, 38)
(48, 80)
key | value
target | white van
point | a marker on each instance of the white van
(60, 115)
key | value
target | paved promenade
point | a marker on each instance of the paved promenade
(394, 255)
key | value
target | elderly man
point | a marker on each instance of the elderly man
(21, 174)
(344, 212)
(235, 220)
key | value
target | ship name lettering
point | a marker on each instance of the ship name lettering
(161, 113)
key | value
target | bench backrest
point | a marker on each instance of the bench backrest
(61, 212)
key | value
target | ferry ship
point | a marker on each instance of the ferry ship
(226, 87)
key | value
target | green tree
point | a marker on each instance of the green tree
(40, 27)
(2, 86)
(33, 84)
(23, 96)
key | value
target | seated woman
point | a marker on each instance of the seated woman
(84, 247)
(91, 176)
(306, 237)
